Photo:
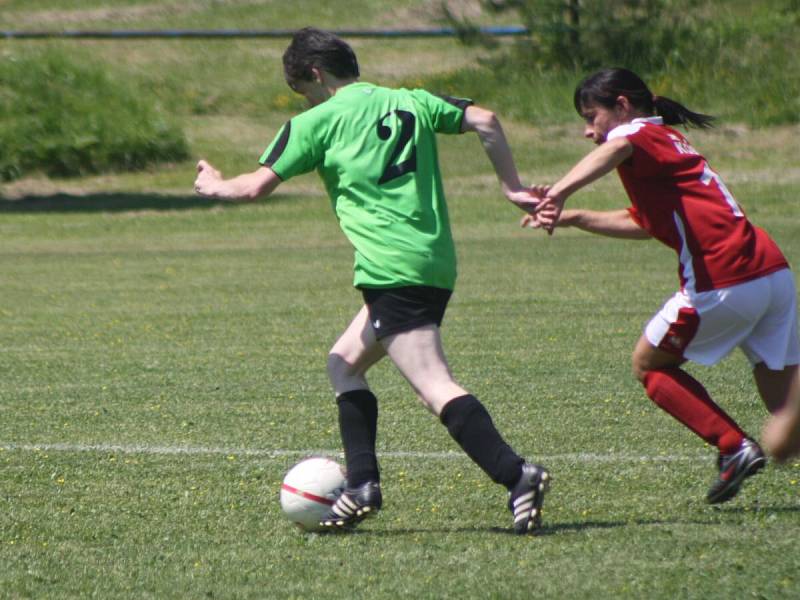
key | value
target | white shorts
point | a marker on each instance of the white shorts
(758, 316)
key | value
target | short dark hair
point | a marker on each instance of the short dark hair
(311, 47)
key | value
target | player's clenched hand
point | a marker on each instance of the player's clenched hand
(543, 218)
(550, 210)
(531, 221)
(540, 191)
(207, 179)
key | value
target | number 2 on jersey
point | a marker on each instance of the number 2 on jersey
(394, 169)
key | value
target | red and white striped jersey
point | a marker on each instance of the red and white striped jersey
(682, 203)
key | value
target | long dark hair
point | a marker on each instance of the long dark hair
(311, 47)
(604, 87)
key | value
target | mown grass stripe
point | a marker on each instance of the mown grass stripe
(581, 457)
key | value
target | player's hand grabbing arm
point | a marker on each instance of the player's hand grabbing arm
(594, 165)
(486, 124)
(612, 223)
(242, 188)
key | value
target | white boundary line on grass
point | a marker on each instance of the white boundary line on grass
(583, 457)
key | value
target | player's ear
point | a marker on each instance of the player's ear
(624, 104)
(316, 74)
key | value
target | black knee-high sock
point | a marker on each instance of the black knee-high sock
(471, 426)
(358, 425)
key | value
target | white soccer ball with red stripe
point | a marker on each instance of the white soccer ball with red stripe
(309, 489)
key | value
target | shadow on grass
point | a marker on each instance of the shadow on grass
(755, 508)
(576, 527)
(544, 531)
(114, 202)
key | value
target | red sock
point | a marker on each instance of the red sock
(682, 396)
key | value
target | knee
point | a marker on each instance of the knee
(647, 358)
(344, 374)
(639, 367)
(338, 367)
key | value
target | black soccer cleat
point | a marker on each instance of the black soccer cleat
(353, 506)
(527, 497)
(734, 469)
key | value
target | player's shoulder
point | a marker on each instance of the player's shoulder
(406, 95)
(649, 126)
(417, 95)
(429, 97)
(314, 115)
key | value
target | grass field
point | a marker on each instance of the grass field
(162, 365)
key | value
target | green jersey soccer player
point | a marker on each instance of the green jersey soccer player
(375, 150)
(383, 179)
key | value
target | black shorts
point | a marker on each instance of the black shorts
(395, 310)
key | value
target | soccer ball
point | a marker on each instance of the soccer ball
(309, 489)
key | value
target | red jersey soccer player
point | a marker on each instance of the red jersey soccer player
(736, 286)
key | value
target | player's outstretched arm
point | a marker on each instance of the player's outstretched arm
(611, 223)
(591, 167)
(242, 188)
(486, 124)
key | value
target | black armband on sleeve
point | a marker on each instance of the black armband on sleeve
(461, 103)
(280, 145)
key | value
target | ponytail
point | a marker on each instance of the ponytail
(604, 87)
(675, 113)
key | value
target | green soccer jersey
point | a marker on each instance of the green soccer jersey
(375, 149)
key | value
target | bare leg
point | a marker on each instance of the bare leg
(419, 356)
(777, 388)
(353, 354)
(780, 391)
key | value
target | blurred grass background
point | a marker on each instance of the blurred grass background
(737, 60)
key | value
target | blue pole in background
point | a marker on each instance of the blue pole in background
(499, 31)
